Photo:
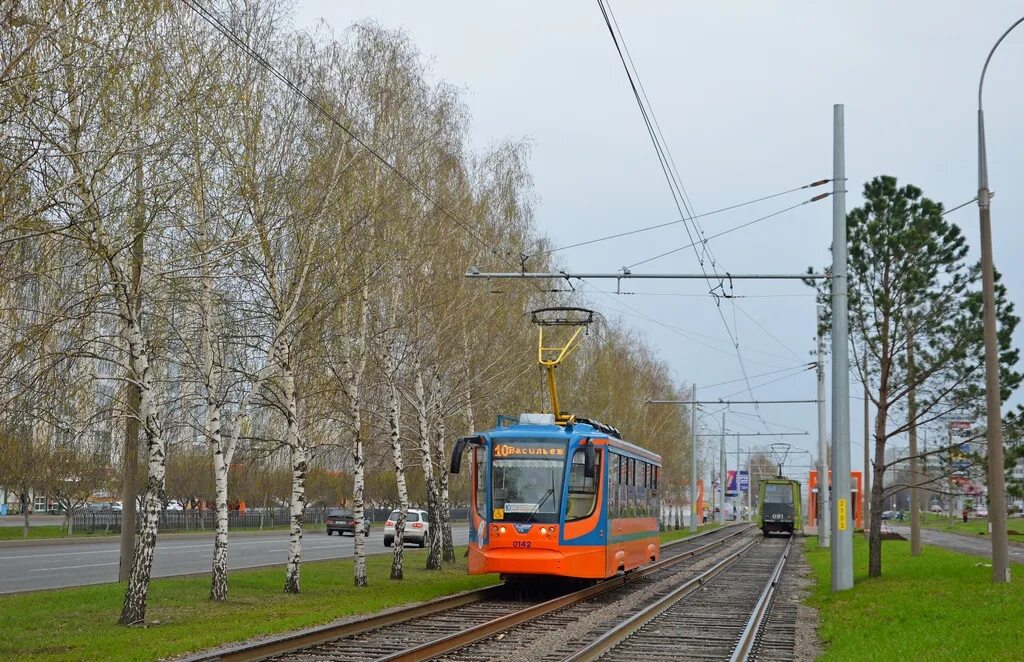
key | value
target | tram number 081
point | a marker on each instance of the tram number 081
(522, 543)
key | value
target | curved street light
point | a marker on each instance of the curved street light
(996, 480)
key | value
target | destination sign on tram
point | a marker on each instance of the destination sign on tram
(528, 451)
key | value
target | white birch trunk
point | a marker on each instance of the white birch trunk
(297, 452)
(219, 577)
(427, 462)
(133, 610)
(444, 518)
(394, 419)
(356, 367)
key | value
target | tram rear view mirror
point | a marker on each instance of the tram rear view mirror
(460, 448)
(589, 460)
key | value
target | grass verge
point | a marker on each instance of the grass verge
(669, 536)
(941, 605)
(80, 623)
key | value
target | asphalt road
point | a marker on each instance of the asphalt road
(40, 566)
(979, 546)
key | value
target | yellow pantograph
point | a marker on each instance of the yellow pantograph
(549, 358)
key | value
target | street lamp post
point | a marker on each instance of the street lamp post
(993, 399)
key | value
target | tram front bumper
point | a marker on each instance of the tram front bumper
(584, 562)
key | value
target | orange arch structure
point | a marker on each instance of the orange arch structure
(856, 502)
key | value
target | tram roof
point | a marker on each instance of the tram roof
(575, 430)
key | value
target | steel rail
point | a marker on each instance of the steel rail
(753, 627)
(294, 641)
(474, 634)
(623, 630)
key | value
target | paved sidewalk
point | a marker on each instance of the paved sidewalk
(979, 546)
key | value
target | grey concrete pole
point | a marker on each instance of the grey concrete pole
(739, 463)
(721, 477)
(750, 486)
(842, 534)
(693, 459)
(866, 478)
(824, 518)
(993, 394)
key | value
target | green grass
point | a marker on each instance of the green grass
(669, 536)
(34, 532)
(939, 606)
(80, 623)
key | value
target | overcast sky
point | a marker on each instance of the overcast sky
(744, 94)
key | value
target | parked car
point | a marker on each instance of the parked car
(936, 508)
(174, 504)
(417, 528)
(981, 511)
(343, 521)
(116, 506)
(890, 514)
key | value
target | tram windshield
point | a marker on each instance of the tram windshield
(526, 482)
(778, 493)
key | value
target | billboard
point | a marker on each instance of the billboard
(730, 485)
(744, 481)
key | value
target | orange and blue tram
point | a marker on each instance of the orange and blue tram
(570, 500)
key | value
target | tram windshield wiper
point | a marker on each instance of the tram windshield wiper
(547, 493)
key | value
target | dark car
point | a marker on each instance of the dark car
(343, 521)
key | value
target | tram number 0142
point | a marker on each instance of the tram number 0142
(522, 543)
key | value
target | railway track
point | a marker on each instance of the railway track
(434, 628)
(718, 615)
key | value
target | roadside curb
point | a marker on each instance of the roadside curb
(83, 540)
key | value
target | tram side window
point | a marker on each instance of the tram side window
(481, 481)
(582, 490)
(620, 486)
(612, 477)
(655, 497)
(634, 506)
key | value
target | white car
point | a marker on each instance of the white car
(173, 504)
(417, 527)
(981, 511)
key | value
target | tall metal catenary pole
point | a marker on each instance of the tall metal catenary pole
(824, 518)
(842, 535)
(721, 477)
(693, 459)
(739, 463)
(993, 395)
(750, 487)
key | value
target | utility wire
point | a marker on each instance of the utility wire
(674, 185)
(763, 374)
(678, 221)
(947, 211)
(772, 381)
(667, 163)
(732, 229)
(771, 335)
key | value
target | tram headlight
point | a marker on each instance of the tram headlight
(501, 530)
(543, 531)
